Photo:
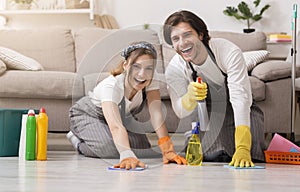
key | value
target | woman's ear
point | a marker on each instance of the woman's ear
(125, 65)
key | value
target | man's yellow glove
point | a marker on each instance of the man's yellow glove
(196, 92)
(242, 155)
(168, 152)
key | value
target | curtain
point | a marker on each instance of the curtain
(105, 21)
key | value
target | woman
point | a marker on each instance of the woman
(234, 117)
(101, 123)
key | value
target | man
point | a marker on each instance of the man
(225, 87)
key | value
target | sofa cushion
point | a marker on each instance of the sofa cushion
(52, 47)
(15, 60)
(258, 89)
(272, 70)
(2, 67)
(98, 50)
(245, 41)
(297, 84)
(40, 84)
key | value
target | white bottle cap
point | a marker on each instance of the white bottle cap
(31, 111)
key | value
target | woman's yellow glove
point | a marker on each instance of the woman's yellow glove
(168, 152)
(196, 92)
(242, 155)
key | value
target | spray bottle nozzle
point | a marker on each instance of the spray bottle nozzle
(196, 128)
(199, 80)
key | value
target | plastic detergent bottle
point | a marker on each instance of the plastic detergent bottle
(202, 112)
(30, 136)
(194, 155)
(42, 131)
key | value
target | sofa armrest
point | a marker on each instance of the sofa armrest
(272, 70)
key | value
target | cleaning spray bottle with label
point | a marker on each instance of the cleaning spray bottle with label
(42, 131)
(194, 155)
(30, 136)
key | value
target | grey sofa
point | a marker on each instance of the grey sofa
(74, 61)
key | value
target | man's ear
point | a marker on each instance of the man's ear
(201, 36)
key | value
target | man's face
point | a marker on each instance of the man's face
(140, 72)
(187, 42)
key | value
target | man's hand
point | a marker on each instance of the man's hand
(196, 92)
(242, 155)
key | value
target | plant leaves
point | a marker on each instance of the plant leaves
(244, 9)
(256, 2)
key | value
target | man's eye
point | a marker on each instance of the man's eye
(187, 35)
(175, 39)
(149, 68)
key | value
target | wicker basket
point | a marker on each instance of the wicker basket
(75, 4)
(282, 157)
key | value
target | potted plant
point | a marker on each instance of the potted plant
(243, 12)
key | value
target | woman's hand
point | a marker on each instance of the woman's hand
(130, 163)
(168, 152)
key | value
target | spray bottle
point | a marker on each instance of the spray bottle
(42, 131)
(30, 136)
(202, 112)
(194, 155)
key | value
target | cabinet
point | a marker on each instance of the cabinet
(279, 50)
(4, 10)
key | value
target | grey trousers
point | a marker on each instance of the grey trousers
(88, 124)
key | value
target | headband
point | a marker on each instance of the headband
(141, 45)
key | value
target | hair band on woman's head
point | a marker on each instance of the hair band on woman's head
(140, 45)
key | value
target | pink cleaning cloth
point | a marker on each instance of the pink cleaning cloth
(281, 144)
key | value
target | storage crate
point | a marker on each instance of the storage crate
(10, 129)
(282, 157)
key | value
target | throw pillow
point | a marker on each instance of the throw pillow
(2, 67)
(15, 60)
(253, 58)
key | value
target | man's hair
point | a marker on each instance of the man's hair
(187, 17)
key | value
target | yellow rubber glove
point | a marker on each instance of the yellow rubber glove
(128, 163)
(196, 92)
(169, 155)
(242, 155)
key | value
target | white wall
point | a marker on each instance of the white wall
(136, 12)
(130, 13)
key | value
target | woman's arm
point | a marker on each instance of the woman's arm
(155, 110)
(119, 134)
(165, 143)
(114, 121)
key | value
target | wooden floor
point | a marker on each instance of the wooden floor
(68, 171)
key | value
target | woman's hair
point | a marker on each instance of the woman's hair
(132, 52)
(187, 17)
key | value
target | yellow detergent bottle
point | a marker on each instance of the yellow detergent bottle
(194, 155)
(42, 131)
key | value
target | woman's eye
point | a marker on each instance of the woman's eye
(135, 66)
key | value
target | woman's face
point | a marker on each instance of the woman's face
(140, 73)
(187, 42)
